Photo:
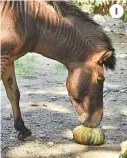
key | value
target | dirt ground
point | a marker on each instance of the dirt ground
(53, 119)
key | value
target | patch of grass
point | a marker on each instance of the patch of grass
(125, 18)
(25, 66)
(60, 67)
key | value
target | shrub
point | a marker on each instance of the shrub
(100, 6)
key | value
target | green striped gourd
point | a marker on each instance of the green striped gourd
(88, 136)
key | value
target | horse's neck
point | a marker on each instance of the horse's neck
(57, 38)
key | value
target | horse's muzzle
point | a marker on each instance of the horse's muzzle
(93, 120)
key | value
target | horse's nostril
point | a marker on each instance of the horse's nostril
(100, 80)
(77, 100)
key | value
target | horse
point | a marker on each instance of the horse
(62, 32)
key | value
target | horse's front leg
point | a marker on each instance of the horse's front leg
(13, 94)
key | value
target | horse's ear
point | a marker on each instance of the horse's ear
(106, 55)
(108, 59)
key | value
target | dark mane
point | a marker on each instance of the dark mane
(64, 8)
(96, 38)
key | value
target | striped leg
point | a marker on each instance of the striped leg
(13, 94)
(4, 62)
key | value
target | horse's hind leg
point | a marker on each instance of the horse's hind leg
(13, 94)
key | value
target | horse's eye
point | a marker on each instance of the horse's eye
(100, 80)
(100, 63)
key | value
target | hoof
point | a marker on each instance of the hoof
(24, 134)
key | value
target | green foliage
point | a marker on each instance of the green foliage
(125, 18)
(87, 5)
(99, 6)
(82, 3)
(101, 2)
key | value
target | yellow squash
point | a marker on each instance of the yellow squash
(88, 136)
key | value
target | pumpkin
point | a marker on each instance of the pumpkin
(123, 153)
(88, 136)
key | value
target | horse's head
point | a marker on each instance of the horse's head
(85, 86)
